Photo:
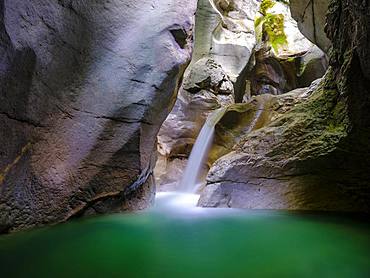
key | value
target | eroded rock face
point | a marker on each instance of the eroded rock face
(295, 64)
(225, 33)
(315, 156)
(85, 86)
(206, 74)
(181, 128)
(280, 74)
(311, 18)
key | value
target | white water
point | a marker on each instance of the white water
(190, 180)
(186, 198)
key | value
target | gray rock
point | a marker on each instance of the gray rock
(225, 32)
(181, 128)
(85, 87)
(311, 18)
(313, 65)
(206, 74)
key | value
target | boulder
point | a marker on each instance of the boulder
(85, 87)
(206, 74)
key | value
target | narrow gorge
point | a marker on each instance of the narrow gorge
(195, 138)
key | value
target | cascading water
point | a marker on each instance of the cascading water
(186, 197)
(199, 153)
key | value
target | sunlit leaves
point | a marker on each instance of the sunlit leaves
(270, 27)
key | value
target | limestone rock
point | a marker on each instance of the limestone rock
(233, 39)
(293, 65)
(311, 18)
(179, 131)
(273, 167)
(280, 74)
(85, 87)
(312, 65)
(168, 173)
(297, 43)
(225, 32)
(316, 155)
(206, 74)
(243, 118)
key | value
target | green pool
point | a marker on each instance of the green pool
(166, 242)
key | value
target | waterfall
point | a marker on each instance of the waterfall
(199, 153)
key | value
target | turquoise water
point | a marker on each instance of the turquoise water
(167, 242)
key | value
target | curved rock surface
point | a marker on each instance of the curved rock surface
(85, 87)
(311, 18)
(316, 156)
(225, 33)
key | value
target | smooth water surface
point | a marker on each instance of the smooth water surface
(173, 242)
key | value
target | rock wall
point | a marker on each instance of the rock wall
(231, 62)
(316, 156)
(85, 87)
(311, 18)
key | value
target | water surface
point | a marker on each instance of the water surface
(171, 241)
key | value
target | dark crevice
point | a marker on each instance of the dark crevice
(314, 22)
(23, 121)
(180, 37)
(124, 120)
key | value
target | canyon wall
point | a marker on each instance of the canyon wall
(85, 87)
(316, 155)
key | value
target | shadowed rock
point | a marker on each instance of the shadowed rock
(85, 86)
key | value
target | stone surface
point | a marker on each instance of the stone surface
(209, 76)
(293, 65)
(315, 156)
(206, 74)
(243, 118)
(168, 173)
(312, 65)
(225, 32)
(280, 74)
(311, 18)
(178, 133)
(297, 43)
(85, 87)
(274, 167)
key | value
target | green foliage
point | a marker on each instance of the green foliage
(270, 26)
(274, 28)
(265, 6)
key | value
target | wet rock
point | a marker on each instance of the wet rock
(273, 167)
(280, 74)
(85, 87)
(168, 173)
(314, 156)
(244, 118)
(205, 87)
(179, 131)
